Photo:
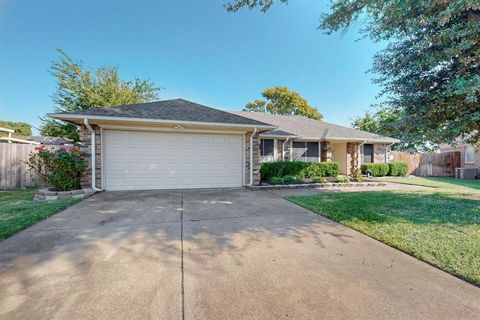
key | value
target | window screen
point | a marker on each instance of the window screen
(267, 147)
(368, 153)
(312, 153)
(298, 151)
(305, 151)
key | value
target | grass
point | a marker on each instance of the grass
(449, 184)
(438, 227)
(18, 210)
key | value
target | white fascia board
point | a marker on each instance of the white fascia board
(18, 140)
(268, 136)
(391, 140)
(198, 123)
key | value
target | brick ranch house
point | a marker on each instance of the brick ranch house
(176, 143)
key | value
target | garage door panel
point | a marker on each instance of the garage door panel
(148, 160)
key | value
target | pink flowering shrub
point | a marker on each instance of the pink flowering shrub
(60, 169)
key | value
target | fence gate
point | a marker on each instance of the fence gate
(429, 165)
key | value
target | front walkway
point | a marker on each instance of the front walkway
(212, 254)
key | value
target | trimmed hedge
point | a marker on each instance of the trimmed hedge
(298, 169)
(397, 169)
(377, 169)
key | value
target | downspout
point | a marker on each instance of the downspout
(386, 152)
(92, 153)
(251, 156)
(283, 149)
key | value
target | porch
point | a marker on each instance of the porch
(348, 154)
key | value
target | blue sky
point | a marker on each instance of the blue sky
(192, 49)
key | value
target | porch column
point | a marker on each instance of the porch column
(85, 149)
(326, 151)
(352, 157)
(256, 158)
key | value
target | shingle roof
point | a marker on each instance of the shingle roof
(175, 110)
(310, 128)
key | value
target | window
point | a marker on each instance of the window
(469, 154)
(368, 153)
(266, 150)
(312, 153)
(305, 151)
(298, 151)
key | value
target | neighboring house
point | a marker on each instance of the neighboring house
(51, 141)
(469, 154)
(11, 138)
(180, 144)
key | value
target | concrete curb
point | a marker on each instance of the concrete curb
(316, 185)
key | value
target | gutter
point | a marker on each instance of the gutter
(251, 155)
(70, 117)
(92, 153)
(386, 152)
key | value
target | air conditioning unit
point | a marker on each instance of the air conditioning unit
(467, 173)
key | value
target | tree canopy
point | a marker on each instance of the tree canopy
(21, 128)
(79, 88)
(283, 101)
(385, 122)
(430, 69)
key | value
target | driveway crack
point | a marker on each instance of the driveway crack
(181, 258)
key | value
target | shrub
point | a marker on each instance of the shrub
(397, 169)
(342, 179)
(376, 169)
(319, 180)
(276, 180)
(60, 169)
(357, 176)
(298, 169)
(292, 179)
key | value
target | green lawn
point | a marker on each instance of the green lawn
(18, 211)
(441, 228)
(456, 185)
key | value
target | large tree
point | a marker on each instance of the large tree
(79, 88)
(385, 122)
(21, 128)
(430, 68)
(281, 100)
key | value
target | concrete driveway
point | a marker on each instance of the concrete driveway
(212, 254)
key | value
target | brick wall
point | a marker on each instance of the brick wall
(256, 158)
(379, 151)
(85, 148)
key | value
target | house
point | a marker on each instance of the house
(299, 138)
(176, 143)
(51, 141)
(469, 158)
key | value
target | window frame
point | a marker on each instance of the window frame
(467, 148)
(372, 155)
(267, 157)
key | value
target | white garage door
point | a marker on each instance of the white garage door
(152, 160)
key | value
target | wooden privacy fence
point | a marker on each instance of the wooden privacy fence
(13, 170)
(429, 165)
